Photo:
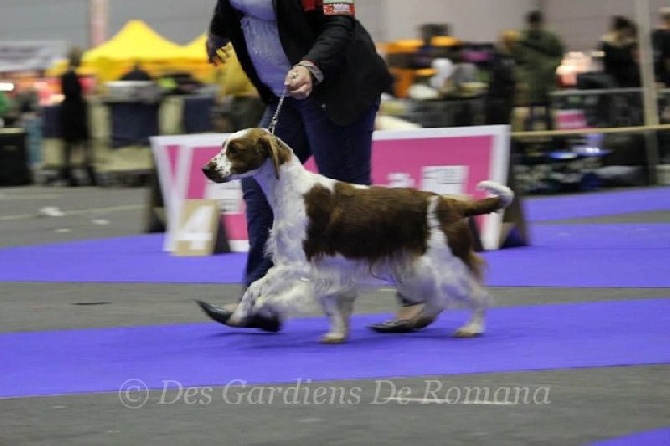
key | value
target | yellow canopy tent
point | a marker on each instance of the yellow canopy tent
(194, 60)
(196, 49)
(136, 42)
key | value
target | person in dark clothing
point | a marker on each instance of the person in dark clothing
(136, 74)
(501, 92)
(619, 48)
(326, 63)
(660, 39)
(74, 121)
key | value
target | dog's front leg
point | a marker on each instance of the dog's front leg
(283, 286)
(244, 309)
(339, 309)
(250, 298)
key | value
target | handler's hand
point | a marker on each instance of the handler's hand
(298, 82)
(218, 49)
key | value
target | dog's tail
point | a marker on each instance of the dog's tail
(502, 197)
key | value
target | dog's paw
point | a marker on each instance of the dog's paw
(333, 338)
(469, 331)
(237, 320)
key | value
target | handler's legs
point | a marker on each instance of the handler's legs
(345, 153)
(290, 129)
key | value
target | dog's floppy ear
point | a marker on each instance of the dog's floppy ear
(277, 150)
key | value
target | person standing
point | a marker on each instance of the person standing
(325, 62)
(619, 47)
(660, 39)
(501, 91)
(74, 121)
(538, 54)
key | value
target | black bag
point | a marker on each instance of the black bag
(14, 169)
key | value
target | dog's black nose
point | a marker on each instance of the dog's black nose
(208, 170)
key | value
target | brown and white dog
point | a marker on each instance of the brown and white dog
(329, 238)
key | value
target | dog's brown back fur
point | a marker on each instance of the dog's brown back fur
(378, 223)
(371, 224)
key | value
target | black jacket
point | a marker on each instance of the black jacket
(660, 39)
(502, 83)
(73, 109)
(619, 62)
(354, 74)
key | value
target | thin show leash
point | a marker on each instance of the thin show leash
(275, 117)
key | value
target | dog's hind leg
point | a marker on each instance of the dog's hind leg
(478, 302)
(418, 284)
(338, 308)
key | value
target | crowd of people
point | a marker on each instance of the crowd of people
(523, 68)
(521, 71)
(620, 55)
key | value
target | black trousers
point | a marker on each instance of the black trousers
(499, 110)
(545, 109)
(68, 150)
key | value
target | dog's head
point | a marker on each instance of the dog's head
(246, 153)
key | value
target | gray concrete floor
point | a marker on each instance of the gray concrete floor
(580, 405)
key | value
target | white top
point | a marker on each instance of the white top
(261, 34)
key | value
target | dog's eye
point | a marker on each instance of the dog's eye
(232, 149)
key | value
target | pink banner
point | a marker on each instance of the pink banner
(447, 161)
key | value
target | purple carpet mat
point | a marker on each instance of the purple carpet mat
(622, 255)
(541, 337)
(597, 204)
(135, 259)
(658, 437)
